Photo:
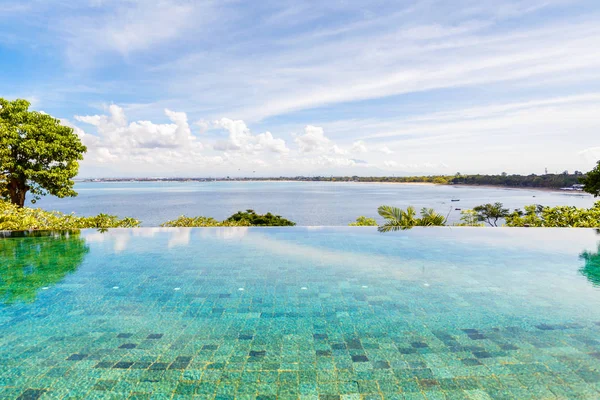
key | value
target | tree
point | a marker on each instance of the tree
(431, 218)
(397, 218)
(37, 153)
(254, 219)
(592, 181)
(469, 218)
(364, 221)
(491, 213)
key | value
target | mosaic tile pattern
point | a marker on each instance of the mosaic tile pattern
(299, 313)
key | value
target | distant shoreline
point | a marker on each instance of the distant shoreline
(207, 180)
(541, 189)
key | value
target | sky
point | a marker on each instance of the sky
(160, 88)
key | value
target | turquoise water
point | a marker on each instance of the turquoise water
(288, 313)
(306, 203)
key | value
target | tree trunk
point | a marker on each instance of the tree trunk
(17, 190)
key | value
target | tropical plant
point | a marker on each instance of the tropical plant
(469, 218)
(397, 219)
(241, 218)
(37, 153)
(431, 218)
(197, 222)
(15, 218)
(42, 260)
(591, 181)
(556, 217)
(491, 213)
(254, 219)
(363, 221)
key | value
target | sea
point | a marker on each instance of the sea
(306, 203)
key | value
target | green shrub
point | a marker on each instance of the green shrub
(364, 221)
(247, 218)
(469, 218)
(198, 222)
(13, 218)
(255, 219)
(556, 217)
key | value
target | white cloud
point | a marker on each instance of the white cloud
(241, 139)
(203, 125)
(113, 129)
(359, 147)
(591, 154)
(329, 161)
(393, 165)
(313, 140)
(127, 27)
(531, 134)
(402, 56)
(338, 150)
(526, 71)
(121, 144)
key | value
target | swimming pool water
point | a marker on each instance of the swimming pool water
(287, 313)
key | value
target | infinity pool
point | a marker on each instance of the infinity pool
(287, 313)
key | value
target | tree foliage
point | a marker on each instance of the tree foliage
(591, 182)
(556, 217)
(363, 221)
(255, 219)
(241, 218)
(469, 218)
(37, 153)
(198, 222)
(491, 213)
(43, 260)
(525, 181)
(14, 218)
(397, 219)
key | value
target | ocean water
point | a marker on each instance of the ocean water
(306, 203)
(309, 313)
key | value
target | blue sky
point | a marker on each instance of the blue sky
(199, 88)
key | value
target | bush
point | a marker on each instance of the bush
(247, 218)
(364, 221)
(556, 217)
(469, 218)
(198, 222)
(255, 219)
(13, 218)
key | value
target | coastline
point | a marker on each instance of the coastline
(540, 189)
(461, 185)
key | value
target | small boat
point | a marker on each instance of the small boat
(455, 200)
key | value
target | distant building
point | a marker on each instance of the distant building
(577, 187)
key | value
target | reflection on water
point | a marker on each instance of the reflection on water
(591, 269)
(42, 260)
(466, 312)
